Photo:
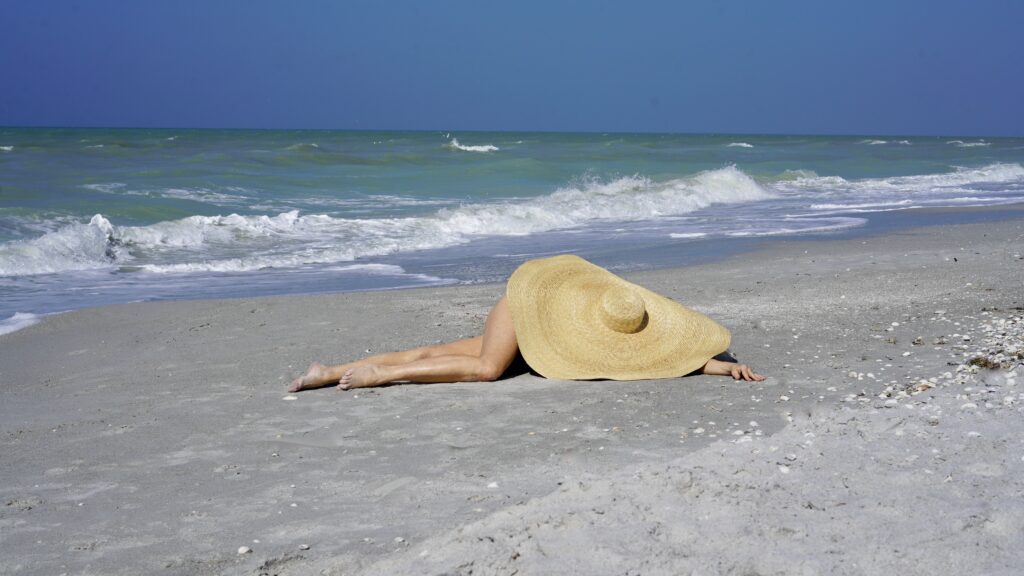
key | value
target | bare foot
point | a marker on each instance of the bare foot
(315, 377)
(361, 377)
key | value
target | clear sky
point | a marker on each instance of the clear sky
(758, 66)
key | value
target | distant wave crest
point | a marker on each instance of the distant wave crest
(232, 196)
(739, 145)
(454, 145)
(962, 144)
(305, 147)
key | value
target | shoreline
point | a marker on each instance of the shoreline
(155, 436)
(670, 255)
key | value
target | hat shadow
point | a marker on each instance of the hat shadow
(518, 367)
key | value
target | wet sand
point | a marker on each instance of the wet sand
(156, 437)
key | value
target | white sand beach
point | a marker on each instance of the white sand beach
(158, 437)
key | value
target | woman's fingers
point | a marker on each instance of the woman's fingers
(744, 372)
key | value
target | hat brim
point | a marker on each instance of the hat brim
(553, 304)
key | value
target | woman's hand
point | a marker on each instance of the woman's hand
(744, 372)
(737, 371)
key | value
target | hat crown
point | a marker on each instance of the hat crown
(623, 310)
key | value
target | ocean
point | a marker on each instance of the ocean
(91, 217)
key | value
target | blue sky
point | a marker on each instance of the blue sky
(896, 67)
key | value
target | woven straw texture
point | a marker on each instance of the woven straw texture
(577, 321)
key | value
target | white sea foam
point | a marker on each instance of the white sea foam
(454, 145)
(74, 247)
(240, 243)
(798, 174)
(866, 205)
(628, 198)
(7, 148)
(874, 142)
(688, 234)
(309, 146)
(739, 145)
(800, 226)
(18, 321)
(374, 269)
(998, 173)
(962, 144)
(105, 187)
(203, 195)
(835, 194)
(904, 142)
(237, 243)
(373, 202)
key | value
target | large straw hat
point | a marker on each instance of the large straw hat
(578, 321)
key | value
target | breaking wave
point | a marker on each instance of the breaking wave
(18, 321)
(289, 239)
(242, 243)
(992, 174)
(981, 186)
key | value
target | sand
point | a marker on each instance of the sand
(158, 437)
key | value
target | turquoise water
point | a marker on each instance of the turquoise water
(95, 216)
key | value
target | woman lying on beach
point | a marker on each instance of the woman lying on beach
(570, 320)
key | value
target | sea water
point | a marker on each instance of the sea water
(99, 216)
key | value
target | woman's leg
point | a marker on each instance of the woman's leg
(497, 350)
(319, 375)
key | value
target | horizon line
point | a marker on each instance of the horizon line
(514, 131)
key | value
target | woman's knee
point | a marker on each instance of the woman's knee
(489, 371)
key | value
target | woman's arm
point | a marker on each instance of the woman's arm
(736, 370)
